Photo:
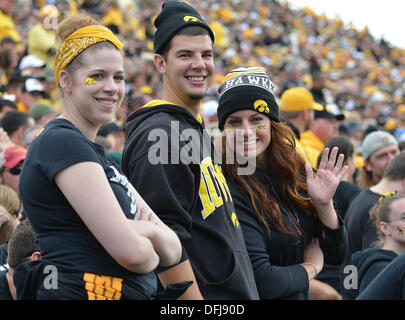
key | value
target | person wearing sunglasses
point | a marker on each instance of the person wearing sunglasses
(13, 158)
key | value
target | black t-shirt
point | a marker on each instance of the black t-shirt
(5, 293)
(361, 230)
(3, 256)
(345, 193)
(64, 240)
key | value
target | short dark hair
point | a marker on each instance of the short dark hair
(187, 31)
(344, 145)
(134, 103)
(13, 120)
(396, 168)
(21, 245)
(15, 81)
(7, 103)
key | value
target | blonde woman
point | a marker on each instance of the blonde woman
(10, 212)
(91, 224)
(388, 216)
(10, 200)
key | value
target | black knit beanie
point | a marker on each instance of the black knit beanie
(176, 15)
(247, 88)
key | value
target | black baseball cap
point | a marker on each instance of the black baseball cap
(330, 111)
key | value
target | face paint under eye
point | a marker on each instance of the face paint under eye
(228, 129)
(89, 81)
(261, 127)
(400, 231)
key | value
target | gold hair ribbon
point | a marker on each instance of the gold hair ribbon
(387, 195)
(80, 40)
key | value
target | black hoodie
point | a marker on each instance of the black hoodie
(369, 263)
(171, 161)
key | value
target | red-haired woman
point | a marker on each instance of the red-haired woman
(285, 211)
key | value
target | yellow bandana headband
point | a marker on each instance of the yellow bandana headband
(80, 40)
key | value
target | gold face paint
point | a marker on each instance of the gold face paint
(228, 129)
(400, 231)
(260, 127)
(90, 81)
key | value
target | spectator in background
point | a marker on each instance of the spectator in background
(297, 110)
(7, 26)
(114, 132)
(6, 106)
(319, 79)
(362, 233)
(8, 43)
(22, 248)
(10, 201)
(30, 134)
(27, 92)
(41, 38)
(389, 284)
(5, 141)
(13, 88)
(6, 228)
(8, 62)
(11, 165)
(52, 97)
(15, 123)
(388, 216)
(31, 66)
(378, 149)
(209, 113)
(324, 127)
(137, 101)
(293, 77)
(42, 113)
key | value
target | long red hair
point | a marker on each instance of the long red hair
(287, 170)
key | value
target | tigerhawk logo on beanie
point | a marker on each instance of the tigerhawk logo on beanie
(261, 106)
(191, 18)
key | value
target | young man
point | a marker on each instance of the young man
(378, 149)
(15, 123)
(171, 161)
(22, 248)
(297, 110)
(324, 127)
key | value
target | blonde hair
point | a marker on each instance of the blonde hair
(9, 199)
(365, 178)
(381, 212)
(77, 34)
(6, 225)
(72, 24)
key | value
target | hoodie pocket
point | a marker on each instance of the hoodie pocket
(239, 285)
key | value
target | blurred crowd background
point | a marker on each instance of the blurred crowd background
(361, 75)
